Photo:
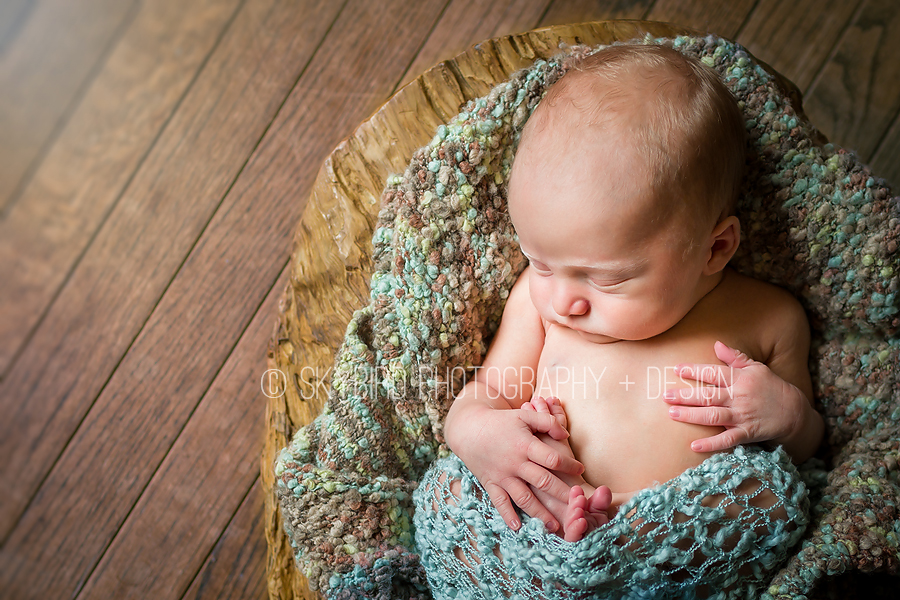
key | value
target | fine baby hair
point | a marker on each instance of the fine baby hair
(688, 126)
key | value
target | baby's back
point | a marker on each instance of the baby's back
(619, 424)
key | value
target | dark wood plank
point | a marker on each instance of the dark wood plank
(41, 72)
(467, 22)
(192, 330)
(857, 96)
(796, 38)
(564, 12)
(236, 569)
(72, 354)
(886, 160)
(95, 155)
(200, 484)
(713, 16)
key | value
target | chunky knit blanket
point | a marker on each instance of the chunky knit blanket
(816, 222)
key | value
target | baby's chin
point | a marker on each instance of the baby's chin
(597, 338)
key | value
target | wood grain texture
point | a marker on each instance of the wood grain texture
(178, 518)
(713, 16)
(13, 16)
(796, 37)
(91, 162)
(132, 259)
(217, 290)
(466, 22)
(886, 161)
(566, 12)
(331, 264)
(229, 109)
(857, 96)
(41, 71)
(236, 567)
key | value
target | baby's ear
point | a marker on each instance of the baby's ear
(723, 242)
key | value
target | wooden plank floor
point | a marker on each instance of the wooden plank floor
(154, 158)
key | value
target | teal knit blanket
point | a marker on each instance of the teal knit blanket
(707, 533)
(817, 223)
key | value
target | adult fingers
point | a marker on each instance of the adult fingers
(701, 395)
(711, 374)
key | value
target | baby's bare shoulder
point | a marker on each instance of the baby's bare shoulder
(777, 315)
(763, 296)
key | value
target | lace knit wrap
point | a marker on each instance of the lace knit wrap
(445, 256)
(705, 533)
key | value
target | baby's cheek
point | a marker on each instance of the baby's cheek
(540, 295)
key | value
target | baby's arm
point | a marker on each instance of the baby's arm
(497, 444)
(755, 401)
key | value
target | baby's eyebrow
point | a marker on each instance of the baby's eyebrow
(617, 270)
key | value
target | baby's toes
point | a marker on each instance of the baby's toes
(576, 529)
(575, 519)
(600, 500)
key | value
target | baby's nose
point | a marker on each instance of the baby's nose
(568, 304)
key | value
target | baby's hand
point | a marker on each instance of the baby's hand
(505, 451)
(746, 397)
(549, 405)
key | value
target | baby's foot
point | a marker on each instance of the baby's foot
(583, 515)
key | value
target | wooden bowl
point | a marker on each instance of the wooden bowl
(331, 258)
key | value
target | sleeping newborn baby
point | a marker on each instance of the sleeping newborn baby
(628, 351)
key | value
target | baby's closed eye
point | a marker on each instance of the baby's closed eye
(540, 267)
(606, 285)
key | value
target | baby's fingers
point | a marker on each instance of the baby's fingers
(725, 440)
(714, 416)
(529, 503)
(711, 374)
(540, 422)
(542, 454)
(540, 404)
(500, 500)
(702, 395)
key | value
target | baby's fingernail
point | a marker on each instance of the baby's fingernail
(696, 446)
(552, 526)
(669, 395)
(674, 412)
(515, 525)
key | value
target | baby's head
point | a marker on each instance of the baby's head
(622, 191)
